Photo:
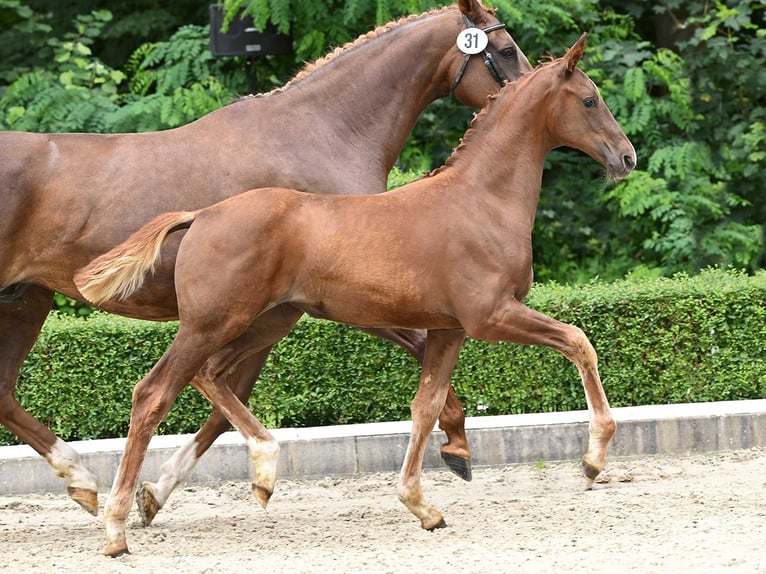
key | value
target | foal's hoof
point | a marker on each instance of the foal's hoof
(115, 551)
(86, 498)
(262, 494)
(440, 524)
(460, 465)
(148, 505)
(590, 472)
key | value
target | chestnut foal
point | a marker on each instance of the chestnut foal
(450, 253)
(361, 102)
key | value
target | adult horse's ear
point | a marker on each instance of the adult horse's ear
(471, 8)
(575, 53)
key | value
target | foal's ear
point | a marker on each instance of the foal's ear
(575, 53)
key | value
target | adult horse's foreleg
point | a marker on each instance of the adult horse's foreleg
(237, 365)
(20, 324)
(442, 349)
(456, 452)
(518, 324)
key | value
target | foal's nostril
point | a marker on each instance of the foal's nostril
(628, 162)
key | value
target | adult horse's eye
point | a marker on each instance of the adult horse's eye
(589, 102)
(508, 53)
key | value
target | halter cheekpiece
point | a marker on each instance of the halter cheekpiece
(489, 61)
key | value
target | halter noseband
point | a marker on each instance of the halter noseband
(489, 61)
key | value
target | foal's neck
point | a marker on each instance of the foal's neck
(503, 155)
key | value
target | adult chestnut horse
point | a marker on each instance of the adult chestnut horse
(337, 127)
(450, 253)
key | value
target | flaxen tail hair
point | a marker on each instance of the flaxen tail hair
(120, 272)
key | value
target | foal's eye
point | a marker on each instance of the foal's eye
(589, 102)
(508, 53)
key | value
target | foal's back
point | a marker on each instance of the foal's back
(351, 259)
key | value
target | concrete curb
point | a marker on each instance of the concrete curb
(380, 447)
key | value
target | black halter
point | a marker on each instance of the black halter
(489, 61)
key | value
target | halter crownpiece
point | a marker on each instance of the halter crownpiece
(486, 56)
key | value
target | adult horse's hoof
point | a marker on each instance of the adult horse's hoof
(86, 498)
(262, 494)
(148, 505)
(460, 465)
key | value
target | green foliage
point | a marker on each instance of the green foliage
(683, 339)
(20, 26)
(398, 178)
(685, 80)
(686, 204)
(169, 83)
(172, 83)
(689, 204)
(87, 397)
(75, 94)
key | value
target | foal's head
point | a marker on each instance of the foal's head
(577, 116)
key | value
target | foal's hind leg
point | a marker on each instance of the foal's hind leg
(264, 449)
(152, 496)
(456, 452)
(516, 323)
(237, 365)
(442, 349)
(20, 323)
(152, 398)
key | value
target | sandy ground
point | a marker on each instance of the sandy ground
(648, 515)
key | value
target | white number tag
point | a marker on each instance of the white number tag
(472, 41)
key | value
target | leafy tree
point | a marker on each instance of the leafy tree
(74, 93)
(685, 80)
(698, 111)
(163, 84)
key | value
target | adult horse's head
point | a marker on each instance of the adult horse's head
(485, 55)
(581, 119)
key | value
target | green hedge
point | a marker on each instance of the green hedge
(685, 339)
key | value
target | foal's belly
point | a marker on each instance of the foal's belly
(369, 313)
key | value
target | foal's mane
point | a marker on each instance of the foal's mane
(508, 91)
(312, 67)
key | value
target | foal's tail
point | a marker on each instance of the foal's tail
(120, 272)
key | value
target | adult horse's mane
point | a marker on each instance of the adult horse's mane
(312, 67)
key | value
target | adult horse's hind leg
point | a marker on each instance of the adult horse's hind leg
(442, 349)
(20, 324)
(456, 452)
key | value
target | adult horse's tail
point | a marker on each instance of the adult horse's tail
(120, 272)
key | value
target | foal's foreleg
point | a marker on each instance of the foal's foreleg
(518, 324)
(442, 349)
(456, 452)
